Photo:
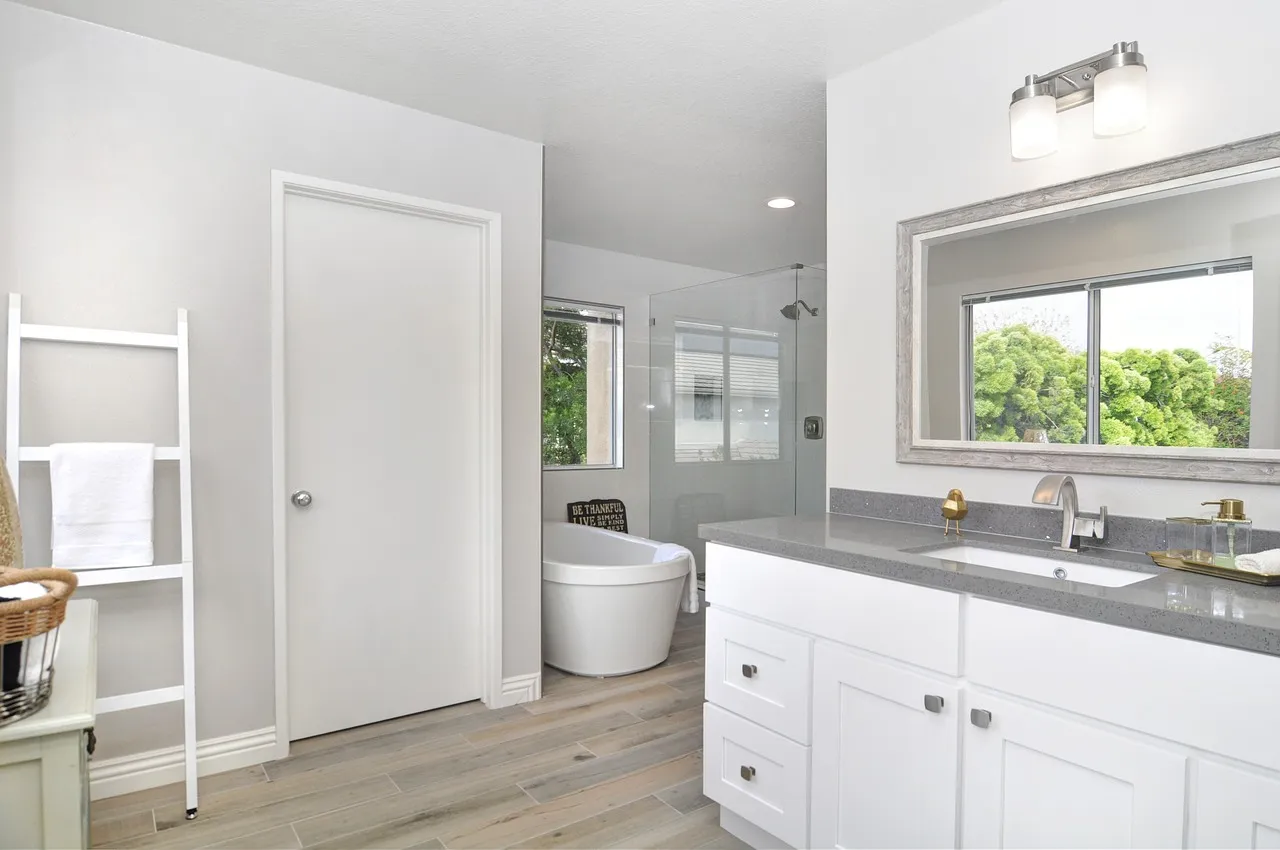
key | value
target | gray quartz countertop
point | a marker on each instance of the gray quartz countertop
(1171, 602)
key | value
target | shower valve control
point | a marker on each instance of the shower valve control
(814, 428)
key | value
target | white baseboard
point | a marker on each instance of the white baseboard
(125, 774)
(518, 689)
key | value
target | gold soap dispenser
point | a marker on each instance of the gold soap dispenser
(1232, 532)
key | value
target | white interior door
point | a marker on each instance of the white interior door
(382, 351)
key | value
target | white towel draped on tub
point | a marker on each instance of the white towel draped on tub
(689, 595)
(103, 504)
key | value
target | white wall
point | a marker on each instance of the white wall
(894, 154)
(135, 179)
(620, 280)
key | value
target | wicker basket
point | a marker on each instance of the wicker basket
(29, 640)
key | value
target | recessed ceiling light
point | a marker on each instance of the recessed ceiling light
(781, 203)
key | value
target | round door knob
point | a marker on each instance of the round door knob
(301, 498)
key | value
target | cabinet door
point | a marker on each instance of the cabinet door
(1235, 809)
(885, 743)
(1035, 779)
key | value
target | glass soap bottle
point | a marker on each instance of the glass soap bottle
(1232, 531)
(1189, 538)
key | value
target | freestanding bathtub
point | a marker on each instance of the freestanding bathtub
(609, 600)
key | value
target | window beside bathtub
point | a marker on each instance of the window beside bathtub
(581, 385)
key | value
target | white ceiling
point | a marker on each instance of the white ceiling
(668, 123)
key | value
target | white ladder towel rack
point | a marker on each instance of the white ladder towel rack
(89, 576)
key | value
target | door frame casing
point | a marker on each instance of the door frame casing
(489, 426)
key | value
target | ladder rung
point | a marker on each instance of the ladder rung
(40, 454)
(124, 702)
(55, 333)
(94, 576)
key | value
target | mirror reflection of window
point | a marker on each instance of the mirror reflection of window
(1177, 361)
(1028, 374)
(1152, 358)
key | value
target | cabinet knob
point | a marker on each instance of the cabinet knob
(934, 703)
(747, 773)
(749, 670)
(980, 717)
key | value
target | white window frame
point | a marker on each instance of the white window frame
(1092, 287)
(618, 406)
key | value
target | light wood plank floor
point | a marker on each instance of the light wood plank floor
(595, 763)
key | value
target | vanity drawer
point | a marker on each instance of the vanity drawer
(915, 624)
(1203, 695)
(759, 671)
(757, 774)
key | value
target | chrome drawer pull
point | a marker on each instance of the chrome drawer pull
(749, 670)
(933, 703)
(980, 718)
(747, 773)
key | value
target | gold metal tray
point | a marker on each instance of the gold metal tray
(1173, 562)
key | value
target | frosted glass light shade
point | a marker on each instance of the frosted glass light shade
(1033, 127)
(1120, 100)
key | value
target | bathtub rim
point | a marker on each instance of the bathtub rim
(602, 575)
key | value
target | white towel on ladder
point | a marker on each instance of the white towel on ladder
(103, 504)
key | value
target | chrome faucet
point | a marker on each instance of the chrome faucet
(1055, 489)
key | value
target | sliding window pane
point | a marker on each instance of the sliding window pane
(1176, 363)
(581, 390)
(1029, 369)
(699, 396)
(753, 395)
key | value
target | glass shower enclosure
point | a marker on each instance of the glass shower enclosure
(737, 394)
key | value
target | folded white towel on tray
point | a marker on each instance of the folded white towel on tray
(103, 504)
(1267, 563)
(689, 603)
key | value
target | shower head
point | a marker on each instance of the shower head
(792, 311)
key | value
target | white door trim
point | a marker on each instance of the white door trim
(489, 426)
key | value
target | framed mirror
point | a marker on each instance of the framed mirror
(1123, 324)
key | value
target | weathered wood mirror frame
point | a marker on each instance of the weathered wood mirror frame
(1259, 466)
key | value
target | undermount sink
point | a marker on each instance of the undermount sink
(1037, 566)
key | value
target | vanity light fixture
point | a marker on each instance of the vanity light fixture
(1115, 82)
(781, 203)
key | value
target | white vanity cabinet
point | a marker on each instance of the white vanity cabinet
(885, 753)
(842, 713)
(44, 771)
(1235, 808)
(1029, 775)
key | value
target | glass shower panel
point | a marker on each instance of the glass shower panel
(724, 418)
(811, 392)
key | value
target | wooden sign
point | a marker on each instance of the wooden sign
(600, 513)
